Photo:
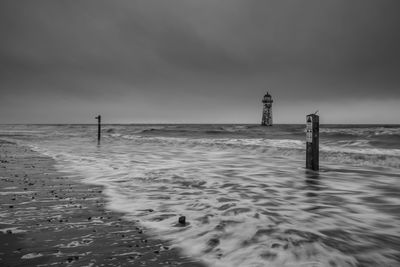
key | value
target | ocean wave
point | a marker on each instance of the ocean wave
(192, 131)
(348, 146)
(222, 142)
(362, 131)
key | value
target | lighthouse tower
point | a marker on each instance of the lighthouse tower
(267, 110)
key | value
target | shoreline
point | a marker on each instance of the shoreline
(48, 219)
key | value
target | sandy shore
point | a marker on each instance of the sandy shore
(48, 219)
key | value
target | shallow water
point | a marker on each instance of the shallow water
(243, 188)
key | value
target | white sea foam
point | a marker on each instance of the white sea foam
(14, 230)
(31, 256)
(362, 131)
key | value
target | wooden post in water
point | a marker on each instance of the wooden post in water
(312, 142)
(98, 118)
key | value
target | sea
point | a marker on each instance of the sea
(244, 189)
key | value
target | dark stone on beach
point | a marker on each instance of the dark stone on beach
(11, 206)
(9, 232)
(182, 220)
(269, 255)
(213, 242)
(89, 218)
(72, 258)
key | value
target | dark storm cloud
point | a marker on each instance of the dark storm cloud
(199, 50)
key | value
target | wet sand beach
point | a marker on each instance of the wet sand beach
(48, 218)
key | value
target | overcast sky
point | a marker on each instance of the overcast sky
(191, 61)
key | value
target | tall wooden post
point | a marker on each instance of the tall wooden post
(312, 142)
(98, 128)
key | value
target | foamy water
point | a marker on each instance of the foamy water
(244, 191)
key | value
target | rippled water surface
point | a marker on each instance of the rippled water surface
(243, 188)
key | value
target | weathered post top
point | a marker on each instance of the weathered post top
(267, 110)
(312, 142)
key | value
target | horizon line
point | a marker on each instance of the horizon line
(194, 123)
